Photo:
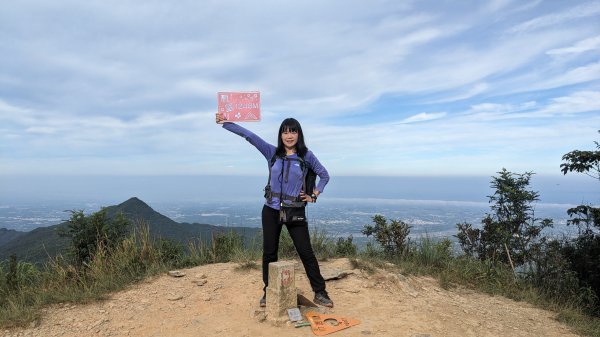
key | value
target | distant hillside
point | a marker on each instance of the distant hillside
(7, 235)
(40, 243)
(35, 246)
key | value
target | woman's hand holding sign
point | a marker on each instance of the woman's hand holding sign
(220, 118)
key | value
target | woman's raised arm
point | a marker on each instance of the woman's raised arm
(265, 148)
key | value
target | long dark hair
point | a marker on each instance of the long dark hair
(291, 124)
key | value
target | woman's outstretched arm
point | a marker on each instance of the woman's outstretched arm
(265, 148)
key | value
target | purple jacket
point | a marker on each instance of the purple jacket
(293, 184)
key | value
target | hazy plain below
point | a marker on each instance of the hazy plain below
(432, 205)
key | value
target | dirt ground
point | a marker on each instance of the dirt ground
(222, 300)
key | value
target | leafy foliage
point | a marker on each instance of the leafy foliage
(224, 245)
(393, 236)
(586, 218)
(170, 251)
(511, 233)
(553, 275)
(88, 234)
(586, 162)
(583, 253)
(469, 239)
(345, 247)
(19, 274)
(431, 252)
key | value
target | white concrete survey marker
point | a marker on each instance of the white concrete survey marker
(281, 292)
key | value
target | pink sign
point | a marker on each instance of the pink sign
(239, 106)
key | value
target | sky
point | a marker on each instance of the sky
(381, 88)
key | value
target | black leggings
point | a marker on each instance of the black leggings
(299, 234)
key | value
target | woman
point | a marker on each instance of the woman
(286, 176)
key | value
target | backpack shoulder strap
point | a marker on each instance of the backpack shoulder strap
(268, 193)
(304, 169)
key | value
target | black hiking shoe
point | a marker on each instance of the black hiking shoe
(263, 301)
(321, 298)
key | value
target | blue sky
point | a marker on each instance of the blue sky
(382, 88)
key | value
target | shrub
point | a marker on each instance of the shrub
(371, 251)
(553, 276)
(17, 276)
(345, 247)
(170, 252)
(431, 252)
(88, 233)
(392, 237)
(224, 245)
(583, 253)
(511, 233)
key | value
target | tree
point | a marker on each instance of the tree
(393, 237)
(90, 233)
(583, 252)
(585, 217)
(511, 233)
(586, 162)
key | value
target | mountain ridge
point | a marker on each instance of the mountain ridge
(7, 235)
(44, 242)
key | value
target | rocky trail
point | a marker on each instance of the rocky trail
(222, 300)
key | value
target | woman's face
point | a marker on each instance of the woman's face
(289, 138)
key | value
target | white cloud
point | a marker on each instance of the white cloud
(562, 106)
(495, 5)
(453, 146)
(316, 61)
(474, 90)
(527, 6)
(578, 102)
(515, 107)
(423, 117)
(580, 11)
(585, 73)
(133, 89)
(492, 68)
(41, 130)
(495, 111)
(7, 108)
(592, 43)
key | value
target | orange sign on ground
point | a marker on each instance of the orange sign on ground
(322, 324)
(239, 106)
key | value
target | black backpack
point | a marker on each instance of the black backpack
(308, 185)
